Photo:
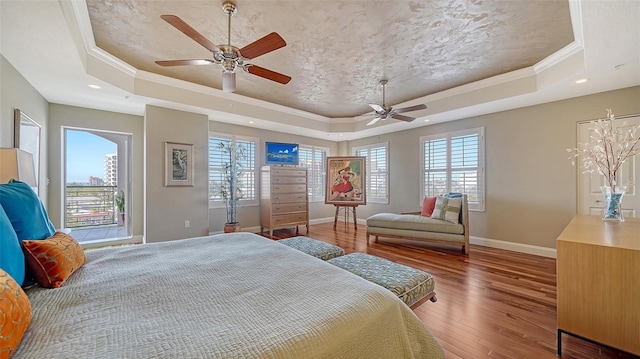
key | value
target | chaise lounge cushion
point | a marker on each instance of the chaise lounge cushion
(414, 223)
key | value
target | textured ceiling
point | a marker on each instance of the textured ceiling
(337, 51)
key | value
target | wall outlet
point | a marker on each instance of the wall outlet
(187, 224)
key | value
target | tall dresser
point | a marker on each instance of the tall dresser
(598, 270)
(283, 198)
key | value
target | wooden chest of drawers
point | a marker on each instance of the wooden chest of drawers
(283, 198)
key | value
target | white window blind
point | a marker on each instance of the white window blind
(314, 160)
(454, 162)
(377, 171)
(218, 159)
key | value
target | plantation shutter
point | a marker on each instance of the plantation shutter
(454, 162)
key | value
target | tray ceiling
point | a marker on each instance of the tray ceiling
(337, 51)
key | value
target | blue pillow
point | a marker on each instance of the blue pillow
(11, 256)
(25, 211)
(452, 195)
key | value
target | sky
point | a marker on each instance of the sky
(85, 155)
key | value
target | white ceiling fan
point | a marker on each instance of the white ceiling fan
(383, 112)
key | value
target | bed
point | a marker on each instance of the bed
(236, 295)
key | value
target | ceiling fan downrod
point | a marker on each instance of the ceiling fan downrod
(384, 103)
(230, 9)
(229, 59)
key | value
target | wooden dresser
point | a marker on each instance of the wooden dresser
(598, 285)
(283, 198)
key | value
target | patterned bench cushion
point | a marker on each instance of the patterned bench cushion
(409, 284)
(318, 249)
(414, 223)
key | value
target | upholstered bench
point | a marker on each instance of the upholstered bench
(411, 285)
(318, 249)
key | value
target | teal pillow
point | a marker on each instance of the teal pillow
(25, 211)
(11, 256)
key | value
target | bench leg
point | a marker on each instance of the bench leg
(433, 299)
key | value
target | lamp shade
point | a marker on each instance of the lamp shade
(17, 164)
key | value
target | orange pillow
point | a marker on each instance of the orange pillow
(428, 205)
(53, 260)
(15, 314)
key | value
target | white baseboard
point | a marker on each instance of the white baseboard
(486, 242)
(512, 246)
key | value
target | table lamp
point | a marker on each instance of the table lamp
(17, 164)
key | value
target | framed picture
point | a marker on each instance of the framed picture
(346, 181)
(178, 164)
(27, 137)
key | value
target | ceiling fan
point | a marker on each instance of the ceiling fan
(383, 112)
(230, 57)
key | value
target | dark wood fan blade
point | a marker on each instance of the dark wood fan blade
(411, 108)
(271, 42)
(403, 118)
(268, 74)
(185, 62)
(179, 24)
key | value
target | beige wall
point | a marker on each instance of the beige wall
(17, 93)
(249, 216)
(530, 183)
(88, 119)
(168, 207)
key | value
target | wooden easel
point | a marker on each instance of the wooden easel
(346, 207)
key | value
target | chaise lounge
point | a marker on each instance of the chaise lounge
(418, 227)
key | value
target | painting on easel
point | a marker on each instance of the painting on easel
(346, 181)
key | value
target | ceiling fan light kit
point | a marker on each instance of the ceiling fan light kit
(230, 57)
(383, 112)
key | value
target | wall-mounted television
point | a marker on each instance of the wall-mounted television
(282, 153)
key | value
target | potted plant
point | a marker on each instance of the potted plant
(119, 199)
(230, 189)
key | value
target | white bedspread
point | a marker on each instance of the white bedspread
(224, 296)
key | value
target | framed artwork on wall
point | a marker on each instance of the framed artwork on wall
(346, 181)
(178, 164)
(27, 137)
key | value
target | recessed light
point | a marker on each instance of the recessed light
(95, 86)
(426, 120)
(251, 122)
(581, 81)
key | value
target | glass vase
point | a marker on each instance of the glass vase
(613, 203)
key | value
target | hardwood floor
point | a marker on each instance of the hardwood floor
(491, 304)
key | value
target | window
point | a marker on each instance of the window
(454, 162)
(377, 171)
(314, 160)
(217, 160)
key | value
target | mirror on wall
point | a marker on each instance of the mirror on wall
(27, 138)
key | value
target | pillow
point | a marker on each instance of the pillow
(53, 260)
(25, 211)
(11, 256)
(447, 209)
(452, 195)
(428, 204)
(15, 314)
